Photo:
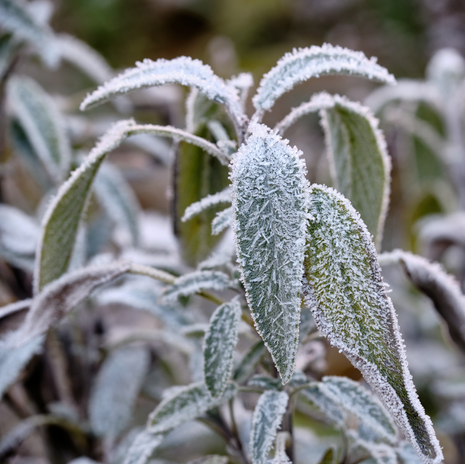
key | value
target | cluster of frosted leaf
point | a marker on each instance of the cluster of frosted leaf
(266, 420)
(270, 203)
(210, 200)
(344, 288)
(305, 63)
(219, 343)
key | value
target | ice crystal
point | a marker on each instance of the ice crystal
(305, 63)
(210, 200)
(222, 221)
(270, 202)
(344, 288)
(266, 421)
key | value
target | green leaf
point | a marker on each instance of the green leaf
(249, 362)
(270, 203)
(266, 420)
(185, 404)
(115, 390)
(144, 444)
(37, 114)
(344, 288)
(219, 343)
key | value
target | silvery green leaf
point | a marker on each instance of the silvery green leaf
(270, 203)
(219, 343)
(185, 404)
(211, 459)
(358, 159)
(182, 70)
(305, 63)
(13, 359)
(17, 19)
(357, 400)
(42, 123)
(222, 221)
(440, 287)
(266, 421)
(265, 382)
(210, 200)
(194, 282)
(381, 453)
(118, 200)
(357, 316)
(18, 237)
(143, 446)
(249, 362)
(115, 390)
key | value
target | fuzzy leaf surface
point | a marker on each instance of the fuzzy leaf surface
(305, 63)
(270, 202)
(266, 420)
(186, 403)
(42, 123)
(144, 444)
(344, 288)
(219, 343)
(115, 390)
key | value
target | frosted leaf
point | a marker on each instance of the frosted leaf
(357, 400)
(211, 459)
(344, 288)
(185, 404)
(222, 220)
(381, 453)
(118, 200)
(14, 307)
(115, 390)
(358, 159)
(440, 287)
(265, 382)
(195, 282)
(243, 83)
(305, 63)
(144, 444)
(219, 343)
(182, 70)
(219, 258)
(18, 237)
(266, 420)
(154, 146)
(8, 48)
(218, 131)
(270, 202)
(42, 123)
(249, 362)
(210, 200)
(406, 454)
(15, 18)
(13, 359)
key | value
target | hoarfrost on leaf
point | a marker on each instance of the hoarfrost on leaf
(210, 200)
(222, 220)
(270, 213)
(143, 446)
(344, 288)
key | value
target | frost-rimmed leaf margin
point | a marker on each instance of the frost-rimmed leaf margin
(218, 346)
(210, 200)
(142, 447)
(222, 220)
(281, 214)
(182, 70)
(266, 419)
(305, 63)
(384, 364)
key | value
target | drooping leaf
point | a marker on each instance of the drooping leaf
(219, 343)
(357, 400)
(119, 201)
(182, 70)
(266, 421)
(249, 362)
(115, 390)
(305, 63)
(144, 444)
(185, 404)
(344, 288)
(270, 202)
(42, 123)
(194, 282)
(222, 221)
(210, 200)
(17, 19)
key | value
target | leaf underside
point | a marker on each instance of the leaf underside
(344, 288)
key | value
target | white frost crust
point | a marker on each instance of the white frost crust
(266, 420)
(14, 307)
(270, 213)
(222, 220)
(210, 200)
(243, 83)
(305, 63)
(381, 453)
(182, 70)
(363, 111)
(384, 313)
